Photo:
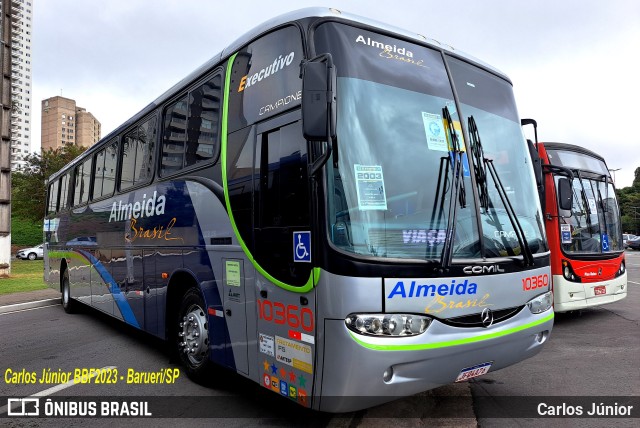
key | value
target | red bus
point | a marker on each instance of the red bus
(583, 226)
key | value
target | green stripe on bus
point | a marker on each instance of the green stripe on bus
(314, 276)
(424, 346)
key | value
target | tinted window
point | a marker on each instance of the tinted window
(85, 181)
(202, 131)
(105, 171)
(173, 136)
(137, 154)
(265, 78)
(64, 191)
(52, 206)
(190, 132)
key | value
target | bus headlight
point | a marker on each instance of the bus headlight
(621, 269)
(541, 303)
(388, 324)
(568, 273)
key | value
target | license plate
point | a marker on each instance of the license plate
(601, 289)
(475, 371)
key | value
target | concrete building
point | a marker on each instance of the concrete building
(64, 123)
(15, 21)
(21, 125)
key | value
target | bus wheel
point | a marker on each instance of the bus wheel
(68, 304)
(193, 335)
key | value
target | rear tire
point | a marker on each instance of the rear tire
(192, 336)
(68, 304)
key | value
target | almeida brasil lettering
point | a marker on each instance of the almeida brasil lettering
(146, 208)
(431, 290)
(382, 46)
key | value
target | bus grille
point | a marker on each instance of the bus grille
(475, 320)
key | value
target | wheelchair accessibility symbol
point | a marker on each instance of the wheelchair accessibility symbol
(302, 247)
(605, 242)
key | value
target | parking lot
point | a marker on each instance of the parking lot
(591, 356)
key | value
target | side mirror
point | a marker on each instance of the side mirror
(319, 81)
(537, 171)
(565, 194)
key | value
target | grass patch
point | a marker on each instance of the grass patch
(26, 275)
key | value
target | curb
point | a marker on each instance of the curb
(28, 305)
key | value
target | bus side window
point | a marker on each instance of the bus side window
(202, 126)
(173, 136)
(85, 182)
(77, 185)
(128, 164)
(64, 191)
(52, 206)
(98, 175)
(110, 164)
(145, 154)
(138, 154)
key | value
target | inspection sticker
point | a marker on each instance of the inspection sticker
(295, 354)
(266, 344)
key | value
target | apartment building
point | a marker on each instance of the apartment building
(21, 71)
(64, 123)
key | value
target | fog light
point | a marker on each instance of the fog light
(387, 375)
(542, 336)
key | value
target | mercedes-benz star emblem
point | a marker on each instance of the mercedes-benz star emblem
(486, 317)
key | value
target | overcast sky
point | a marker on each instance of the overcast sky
(575, 64)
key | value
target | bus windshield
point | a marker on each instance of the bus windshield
(595, 216)
(392, 185)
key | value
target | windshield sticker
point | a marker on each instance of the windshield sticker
(424, 236)
(565, 232)
(370, 187)
(592, 205)
(605, 242)
(434, 129)
(458, 130)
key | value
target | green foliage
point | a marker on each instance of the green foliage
(26, 275)
(25, 233)
(629, 199)
(28, 187)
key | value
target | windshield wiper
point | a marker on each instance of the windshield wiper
(457, 191)
(585, 202)
(481, 166)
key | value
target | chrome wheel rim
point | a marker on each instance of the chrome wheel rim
(193, 334)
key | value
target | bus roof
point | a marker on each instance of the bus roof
(306, 13)
(572, 148)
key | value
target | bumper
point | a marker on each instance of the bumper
(354, 365)
(571, 296)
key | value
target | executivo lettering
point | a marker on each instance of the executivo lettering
(430, 290)
(277, 65)
(155, 205)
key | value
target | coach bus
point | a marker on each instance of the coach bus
(587, 254)
(342, 211)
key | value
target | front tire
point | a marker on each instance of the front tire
(32, 256)
(192, 338)
(68, 304)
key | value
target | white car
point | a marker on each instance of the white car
(31, 253)
(626, 237)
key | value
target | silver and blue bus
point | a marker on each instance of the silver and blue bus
(342, 211)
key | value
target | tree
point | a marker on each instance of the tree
(28, 187)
